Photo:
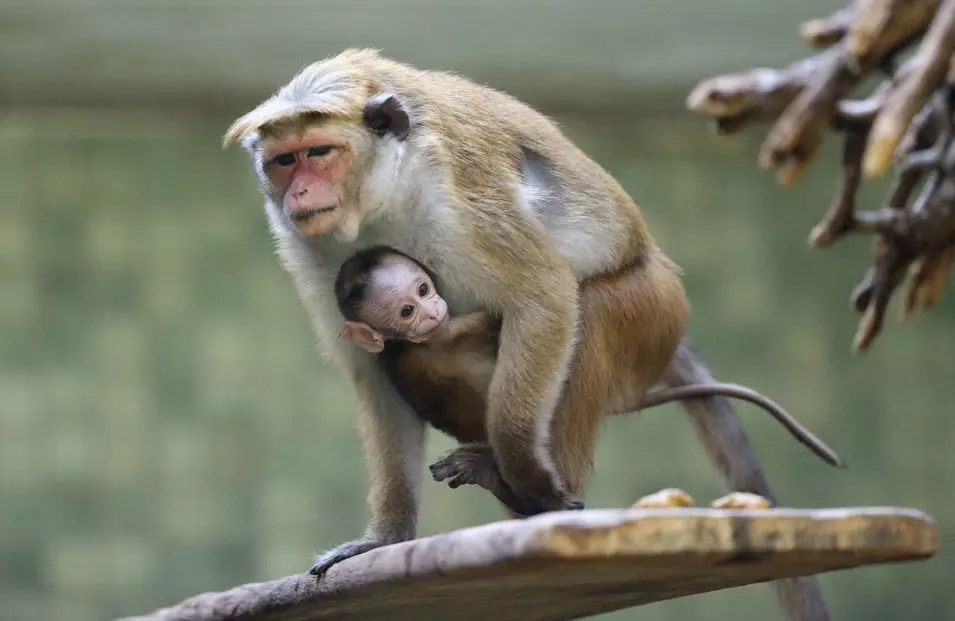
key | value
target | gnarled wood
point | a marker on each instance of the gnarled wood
(907, 120)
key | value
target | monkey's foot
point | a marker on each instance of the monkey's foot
(474, 464)
(342, 552)
(665, 498)
(469, 464)
(545, 498)
(740, 500)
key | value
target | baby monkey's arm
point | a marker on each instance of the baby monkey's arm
(478, 322)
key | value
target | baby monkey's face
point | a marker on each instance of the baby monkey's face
(402, 300)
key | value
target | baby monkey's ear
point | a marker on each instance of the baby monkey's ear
(364, 336)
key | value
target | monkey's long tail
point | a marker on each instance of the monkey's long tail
(795, 428)
(718, 429)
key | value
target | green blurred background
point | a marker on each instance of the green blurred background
(166, 427)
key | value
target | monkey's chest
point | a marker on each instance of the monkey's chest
(448, 390)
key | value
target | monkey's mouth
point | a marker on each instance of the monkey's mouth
(440, 327)
(300, 216)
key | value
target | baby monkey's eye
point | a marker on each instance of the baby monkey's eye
(406, 310)
(423, 289)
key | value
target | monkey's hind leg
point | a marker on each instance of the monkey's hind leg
(631, 322)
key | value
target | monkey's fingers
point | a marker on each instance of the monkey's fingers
(740, 500)
(665, 498)
(459, 479)
(441, 470)
(345, 551)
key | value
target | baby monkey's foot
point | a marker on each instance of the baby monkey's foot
(469, 464)
(474, 464)
(740, 500)
(665, 498)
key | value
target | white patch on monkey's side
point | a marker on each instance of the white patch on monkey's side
(586, 241)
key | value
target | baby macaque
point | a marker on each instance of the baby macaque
(442, 365)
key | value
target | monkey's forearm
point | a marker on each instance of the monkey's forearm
(536, 347)
(393, 438)
(394, 444)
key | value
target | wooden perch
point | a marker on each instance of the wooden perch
(907, 121)
(570, 565)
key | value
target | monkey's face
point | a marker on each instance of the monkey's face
(312, 176)
(313, 162)
(403, 299)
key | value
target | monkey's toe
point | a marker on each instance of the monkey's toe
(740, 500)
(665, 498)
(469, 464)
(440, 471)
(544, 499)
(574, 505)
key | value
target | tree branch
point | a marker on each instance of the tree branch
(907, 120)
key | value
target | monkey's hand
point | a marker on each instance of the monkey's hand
(342, 552)
(474, 464)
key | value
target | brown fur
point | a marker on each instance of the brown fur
(614, 365)
(450, 195)
(446, 377)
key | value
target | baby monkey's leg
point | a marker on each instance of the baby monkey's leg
(474, 464)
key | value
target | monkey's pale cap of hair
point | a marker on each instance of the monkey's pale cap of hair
(337, 86)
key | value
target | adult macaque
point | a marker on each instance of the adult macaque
(442, 365)
(358, 150)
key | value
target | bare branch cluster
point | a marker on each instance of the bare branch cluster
(905, 123)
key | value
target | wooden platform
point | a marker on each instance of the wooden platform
(574, 564)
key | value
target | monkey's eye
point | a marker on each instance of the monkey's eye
(406, 310)
(423, 289)
(284, 159)
(319, 151)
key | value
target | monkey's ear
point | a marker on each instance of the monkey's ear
(385, 113)
(364, 336)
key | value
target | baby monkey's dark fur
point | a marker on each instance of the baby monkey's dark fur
(446, 380)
